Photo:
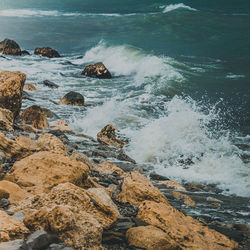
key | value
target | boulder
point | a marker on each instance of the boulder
(50, 84)
(11, 90)
(35, 116)
(62, 126)
(11, 228)
(107, 136)
(187, 200)
(14, 245)
(27, 143)
(44, 170)
(25, 53)
(172, 185)
(76, 155)
(38, 240)
(6, 120)
(49, 142)
(73, 98)
(46, 52)
(29, 87)
(16, 194)
(10, 47)
(150, 238)
(183, 232)
(136, 188)
(97, 70)
(108, 168)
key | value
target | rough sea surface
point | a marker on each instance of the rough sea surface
(181, 85)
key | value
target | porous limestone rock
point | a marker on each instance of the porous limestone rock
(172, 185)
(187, 200)
(6, 119)
(46, 52)
(108, 168)
(29, 87)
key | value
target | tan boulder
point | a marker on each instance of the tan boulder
(136, 188)
(49, 142)
(11, 90)
(84, 159)
(172, 185)
(187, 200)
(11, 228)
(73, 98)
(107, 136)
(12, 149)
(29, 87)
(35, 116)
(108, 168)
(16, 194)
(27, 143)
(6, 119)
(62, 126)
(47, 52)
(44, 170)
(150, 238)
(183, 231)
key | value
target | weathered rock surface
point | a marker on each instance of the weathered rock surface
(182, 231)
(187, 200)
(73, 98)
(38, 240)
(107, 136)
(50, 84)
(76, 155)
(10, 228)
(10, 47)
(97, 70)
(11, 89)
(136, 188)
(150, 238)
(1, 172)
(172, 185)
(44, 170)
(4, 194)
(108, 168)
(46, 52)
(27, 143)
(62, 126)
(29, 87)
(16, 194)
(35, 116)
(6, 119)
(14, 245)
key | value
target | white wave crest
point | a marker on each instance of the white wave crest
(172, 7)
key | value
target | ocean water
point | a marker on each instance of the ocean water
(181, 85)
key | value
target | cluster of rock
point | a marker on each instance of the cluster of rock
(55, 197)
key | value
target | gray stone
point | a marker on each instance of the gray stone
(4, 203)
(19, 216)
(14, 245)
(38, 240)
(60, 246)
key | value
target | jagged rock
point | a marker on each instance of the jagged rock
(150, 238)
(107, 136)
(50, 84)
(25, 52)
(84, 159)
(11, 90)
(136, 188)
(49, 142)
(16, 194)
(6, 119)
(10, 47)
(44, 170)
(97, 70)
(172, 185)
(29, 87)
(10, 228)
(14, 245)
(38, 240)
(187, 200)
(108, 168)
(73, 98)
(35, 116)
(182, 231)
(47, 52)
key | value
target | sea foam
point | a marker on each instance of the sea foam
(173, 7)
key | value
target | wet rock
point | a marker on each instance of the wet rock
(25, 53)
(27, 96)
(172, 185)
(14, 245)
(43, 170)
(194, 186)
(16, 194)
(212, 199)
(10, 228)
(108, 137)
(48, 113)
(182, 230)
(136, 188)
(150, 238)
(62, 126)
(38, 240)
(84, 159)
(108, 168)
(50, 84)
(46, 52)
(10, 47)
(73, 98)
(27, 143)
(1, 172)
(4, 203)
(187, 200)
(29, 87)
(123, 157)
(97, 70)
(157, 177)
(35, 116)
(6, 119)
(11, 90)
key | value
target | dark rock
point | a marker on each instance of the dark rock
(97, 70)
(25, 52)
(158, 177)
(124, 157)
(47, 52)
(38, 240)
(59, 246)
(49, 114)
(26, 96)
(14, 245)
(10, 47)
(73, 98)
(50, 84)
(4, 203)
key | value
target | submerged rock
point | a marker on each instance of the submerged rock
(97, 70)
(73, 98)
(11, 90)
(29, 87)
(10, 47)
(46, 52)
(50, 84)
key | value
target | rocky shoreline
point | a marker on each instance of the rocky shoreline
(56, 193)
